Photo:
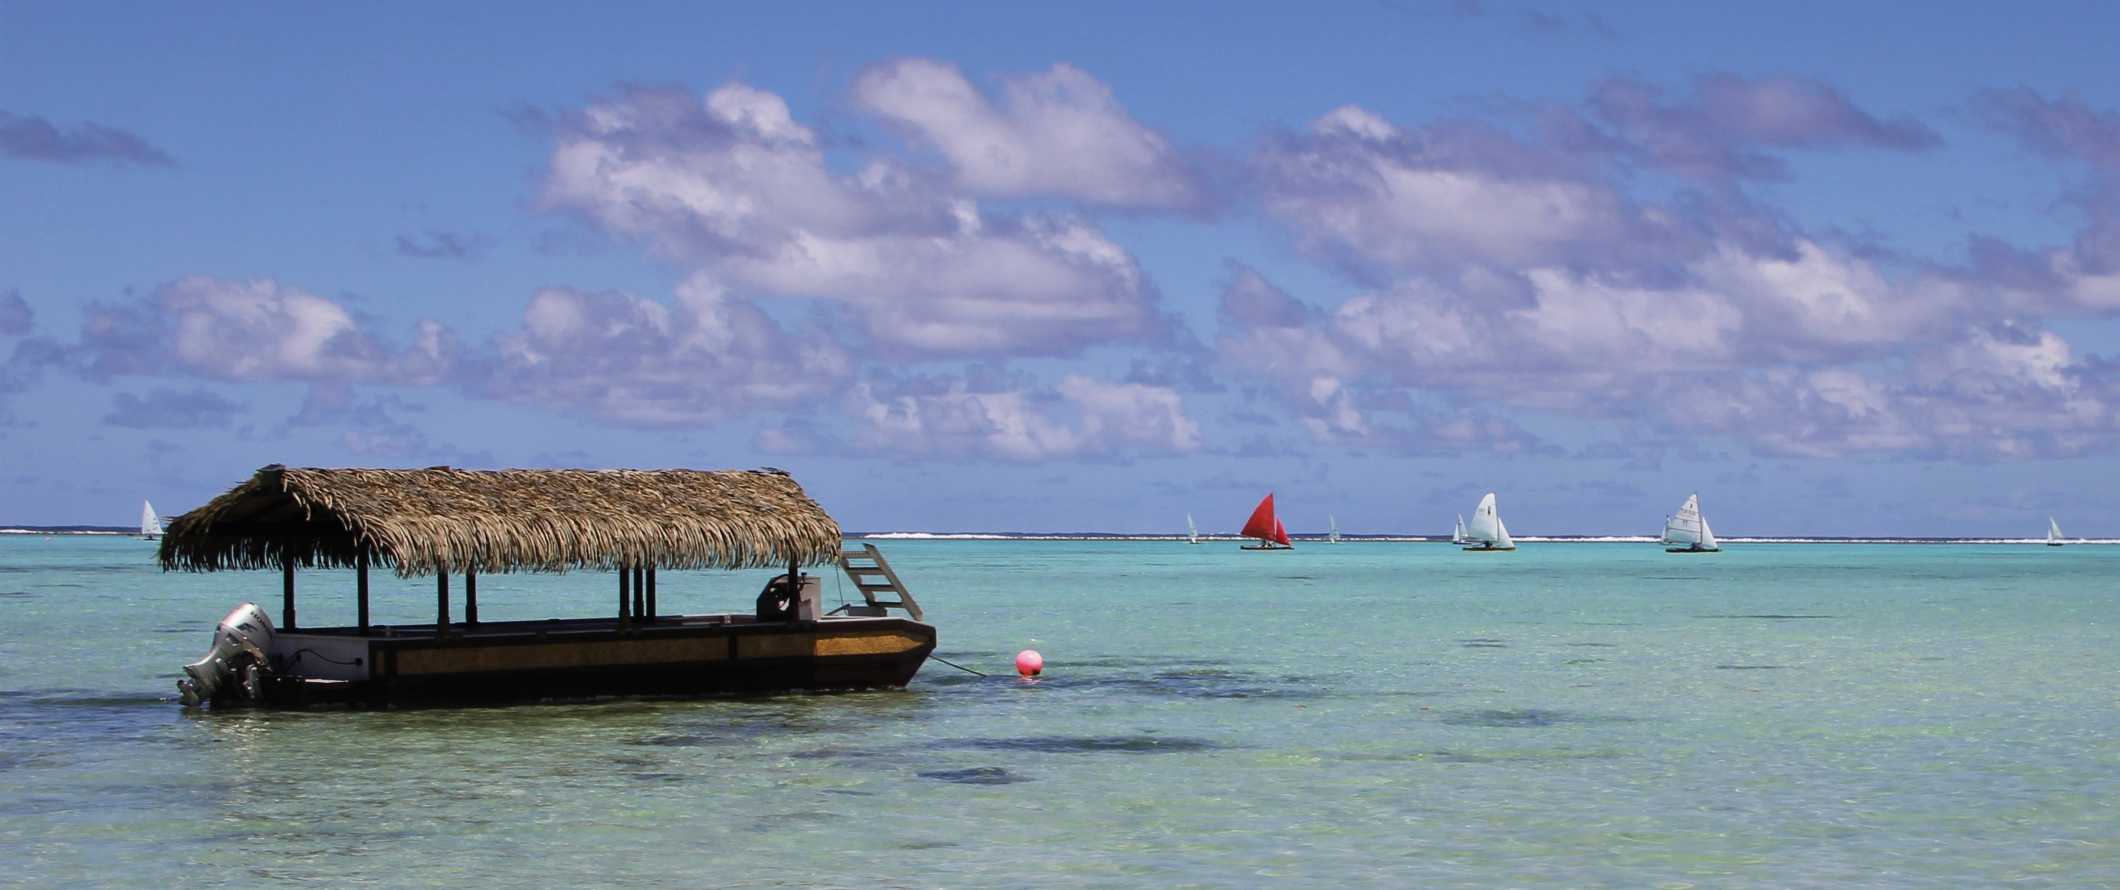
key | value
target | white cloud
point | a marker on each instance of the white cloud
(1057, 133)
(1356, 189)
(259, 330)
(735, 187)
(1082, 417)
(638, 361)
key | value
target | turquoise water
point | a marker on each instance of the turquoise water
(1376, 714)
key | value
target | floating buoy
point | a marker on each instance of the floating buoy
(1029, 662)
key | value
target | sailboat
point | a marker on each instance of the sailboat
(1458, 536)
(1687, 531)
(1192, 532)
(2053, 533)
(1267, 527)
(1487, 531)
(1332, 529)
(150, 524)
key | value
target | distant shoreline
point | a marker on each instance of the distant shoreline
(1444, 539)
(115, 531)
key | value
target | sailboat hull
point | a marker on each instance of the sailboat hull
(1692, 549)
(1488, 549)
(2053, 543)
(1264, 547)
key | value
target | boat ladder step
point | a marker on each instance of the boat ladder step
(866, 579)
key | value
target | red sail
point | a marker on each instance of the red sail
(1280, 534)
(1262, 521)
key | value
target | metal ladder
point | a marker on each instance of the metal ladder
(872, 575)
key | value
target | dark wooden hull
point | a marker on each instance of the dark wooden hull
(1692, 549)
(534, 661)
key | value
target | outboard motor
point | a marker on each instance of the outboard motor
(237, 660)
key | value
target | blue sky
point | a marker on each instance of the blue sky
(1841, 271)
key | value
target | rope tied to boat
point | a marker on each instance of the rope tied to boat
(953, 664)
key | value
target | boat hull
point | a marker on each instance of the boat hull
(1487, 549)
(569, 660)
(1692, 549)
(1257, 547)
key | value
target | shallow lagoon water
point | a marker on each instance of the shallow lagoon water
(1366, 714)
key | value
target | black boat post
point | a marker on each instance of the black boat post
(287, 591)
(441, 602)
(360, 586)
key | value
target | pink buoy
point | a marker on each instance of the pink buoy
(1029, 662)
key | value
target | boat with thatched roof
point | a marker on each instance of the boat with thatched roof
(631, 523)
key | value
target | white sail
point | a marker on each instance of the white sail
(1486, 529)
(150, 524)
(1332, 532)
(1687, 529)
(1682, 529)
(1458, 536)
(1192, 532)
(2053, 531)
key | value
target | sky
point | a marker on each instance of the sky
(1842, 269)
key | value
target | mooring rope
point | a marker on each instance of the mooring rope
(956, 665)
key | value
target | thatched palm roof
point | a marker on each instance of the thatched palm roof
(421, 521)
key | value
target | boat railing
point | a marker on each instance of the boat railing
(872, 575)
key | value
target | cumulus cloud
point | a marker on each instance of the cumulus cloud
(1723, 128)
(257, 330)
(1814, 354)
(33, 138)
(632, 360)
(1379, 200)
(440, 245)
(371, 427)
(166, 408)
(734, 186)
(1081, 417)
(1057, 133)
(2066, 127)
(2085, 272)
(15, 315)
(1992, 392)
(1336, 413)
(1382, 200)
(28, 362)
(1732, 309)
(1511, 271)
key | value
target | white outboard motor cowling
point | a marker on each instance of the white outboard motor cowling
(237, 659)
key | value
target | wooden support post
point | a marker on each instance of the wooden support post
(287, 592)
(651, 592)
(470, 594)
(640, 593)
(360, 586)
(625, 594)
(441, 603)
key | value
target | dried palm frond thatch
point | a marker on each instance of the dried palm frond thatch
(444, 519)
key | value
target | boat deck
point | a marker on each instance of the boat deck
(547, 627)
(574, 657)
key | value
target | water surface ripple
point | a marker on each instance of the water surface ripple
(1368, 714)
